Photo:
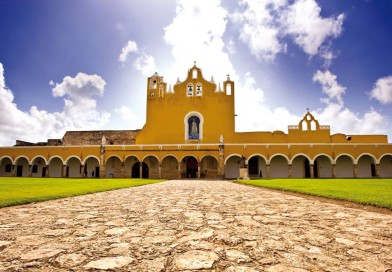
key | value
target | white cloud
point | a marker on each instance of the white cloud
(382, 90)
(80, 111)
(51, 83)
(302, 20)
(329, 85)
(264, 24)
(144, 63)
(130, 47)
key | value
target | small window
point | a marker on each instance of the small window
(161, 91)
(194, 73)
(8, 168)
(190, 89)
(35, 169)
(153, 83)
(228, 89)
(198, 89)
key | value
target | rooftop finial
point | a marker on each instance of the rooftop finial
(194, 63)
(228, 77)
(307, 109)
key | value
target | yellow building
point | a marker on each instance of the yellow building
(190, 133)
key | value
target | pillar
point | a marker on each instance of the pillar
(290, 170)
(377, 169)
(221, 160)
(64, 175)
(30, 170)
(13, 170)
(311, 170)
(140, 170)
(355, 170)
(198, 170)
(122, 169)
(267, 169)
(47, 171)
(179, 170)
(82, 170)
(333, 167)
(160, 171)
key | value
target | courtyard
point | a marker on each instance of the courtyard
(193, 225)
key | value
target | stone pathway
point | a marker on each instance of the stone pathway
(191, 225)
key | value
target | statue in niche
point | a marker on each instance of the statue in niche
(194, 128)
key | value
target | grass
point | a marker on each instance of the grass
(374, 192)
(15, 191)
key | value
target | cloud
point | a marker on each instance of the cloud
(79, 112)
(382, 90)
(264, 24)
(144, 63)
(330, 85)
(309, 30)
(130, 47)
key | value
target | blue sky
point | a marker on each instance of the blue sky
(82, 65)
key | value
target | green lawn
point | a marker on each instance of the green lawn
(375, 192)
(14, 191)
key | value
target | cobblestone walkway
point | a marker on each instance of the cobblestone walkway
(193, 225)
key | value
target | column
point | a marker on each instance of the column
(160, 171)
(179, 170)
(140, 170)
(122, 169)
(198, 170)
(311, 170)
(377, 169)
(64, 171)
(14, 170)
(30, 170)
(333, 167)
(82, 170)
(355, 170)
(47, 171)
(267, 169)
(290, 170)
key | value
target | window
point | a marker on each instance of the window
(35, 169)
(153, 83)
(194, 73)
(190, 90)
(194, 128)
(228, 89)
(161, 91)
(8, 168)
(198, 89)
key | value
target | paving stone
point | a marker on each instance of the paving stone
(191, 225)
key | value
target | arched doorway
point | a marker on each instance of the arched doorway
(386, 166)
(322, 167)
(22, 167)
(169, 167)
(73, 168)
(366, 167)
(6, 167)
(209, 167)
(344, 167)
(55, 167)
(38, 167)
(136, 170)
(300, 167)
(91, 168)
(153, 167)
(257, 167)
(279, 167)
(233, 165)
(114, 167)
(129, 163)
(191, 167)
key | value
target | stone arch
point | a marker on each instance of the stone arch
(6, 166)
(189, 167)
(344, 166)
(385, 167)
(91, 167)
(38, 166)
(22, 166)
(55, 164)
(136, 170)
(73, 167)
(209, 167)
(153, 163)
(322, 166)
(300, 166)
(257, 166)
(233, 163)
(129, 163)
(279, 166)
(366, 164)
(114, 167)
(187, 119)
(169, 167)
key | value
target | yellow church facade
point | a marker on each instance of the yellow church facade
(190, 133)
